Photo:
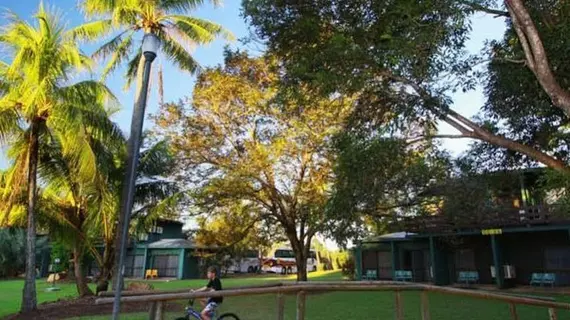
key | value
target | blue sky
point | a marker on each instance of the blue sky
(177, 84)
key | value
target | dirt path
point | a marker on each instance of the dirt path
(83, 307)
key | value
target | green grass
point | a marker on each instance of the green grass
(339, 305)
(11, 294)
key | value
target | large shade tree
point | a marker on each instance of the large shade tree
(405, 58)
(41, 105)
(240, 144)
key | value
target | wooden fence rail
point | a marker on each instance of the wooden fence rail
(158, 300)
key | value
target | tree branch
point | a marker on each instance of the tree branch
(438, 136)
(536, 55)
(480, 8)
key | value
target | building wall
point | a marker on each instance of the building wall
(528, 252)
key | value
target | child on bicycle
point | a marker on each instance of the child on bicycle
(214, 284)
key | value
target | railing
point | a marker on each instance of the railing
(157, 300)
(499, 217)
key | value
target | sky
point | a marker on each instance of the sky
(178, 84)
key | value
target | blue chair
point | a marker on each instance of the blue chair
(371, 274)
(543, 279)
(536, 279)
(549, 278)
(468, 277)
(403, 275)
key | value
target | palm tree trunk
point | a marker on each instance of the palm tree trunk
(80, 281)
(105, 268)
(29, 299)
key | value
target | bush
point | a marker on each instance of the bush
(12, 252)
(348, 268)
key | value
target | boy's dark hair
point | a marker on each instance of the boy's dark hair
(213, 270)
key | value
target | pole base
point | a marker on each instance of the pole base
(51, 289)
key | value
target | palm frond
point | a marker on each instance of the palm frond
(133, 68)
(110, 46)
(120, 53)
(91, 31)
(157, 160)
(183, 6)
(199, 30)
(178, 55)
(88, 93)
(97, 7)
(9, 124)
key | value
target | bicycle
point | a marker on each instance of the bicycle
(191, 313)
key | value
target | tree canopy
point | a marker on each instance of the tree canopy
(405, 58)
(242, 146)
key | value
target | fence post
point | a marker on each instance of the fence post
(552, 314)
(398, 306)
(280, 306)
(159, 315)
(425, 306)
(301, 305)
(513, 310)
(152, 311)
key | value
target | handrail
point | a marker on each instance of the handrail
(302, 288)
(149, 292)
(258, 291)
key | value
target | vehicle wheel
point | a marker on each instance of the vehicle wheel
(289, 270)
(315, 269)
(250, 269)
(228, 316)
(283, 270)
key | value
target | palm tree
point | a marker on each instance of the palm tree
(177, 32)
(41, 106)
(167, 20)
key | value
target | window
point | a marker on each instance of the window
(250, 254)
(156, 229)
(557, 258)
(312, 254)
(284, 254)
(143, 237)
(465, 259)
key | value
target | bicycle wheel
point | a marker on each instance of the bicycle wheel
(228, 316)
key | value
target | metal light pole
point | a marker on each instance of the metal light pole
(149, 48)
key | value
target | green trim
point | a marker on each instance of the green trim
(163, 252)
(180, 274)
(358, 261)
(145, 262)
(499, 277)
(434, 277)
(564, 227)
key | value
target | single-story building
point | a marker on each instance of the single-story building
(518, 242)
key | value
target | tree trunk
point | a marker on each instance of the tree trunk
(80, 281)
(29, 299)
(536, 56)
(105, 269)
(300, 257)
(301, 260)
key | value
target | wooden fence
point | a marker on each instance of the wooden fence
(157, 300)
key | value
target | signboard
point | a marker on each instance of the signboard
(489, 232)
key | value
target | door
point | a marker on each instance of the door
(418, 265)
(167, 265)
(384, 265)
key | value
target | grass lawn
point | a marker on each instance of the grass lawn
(339, 305)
